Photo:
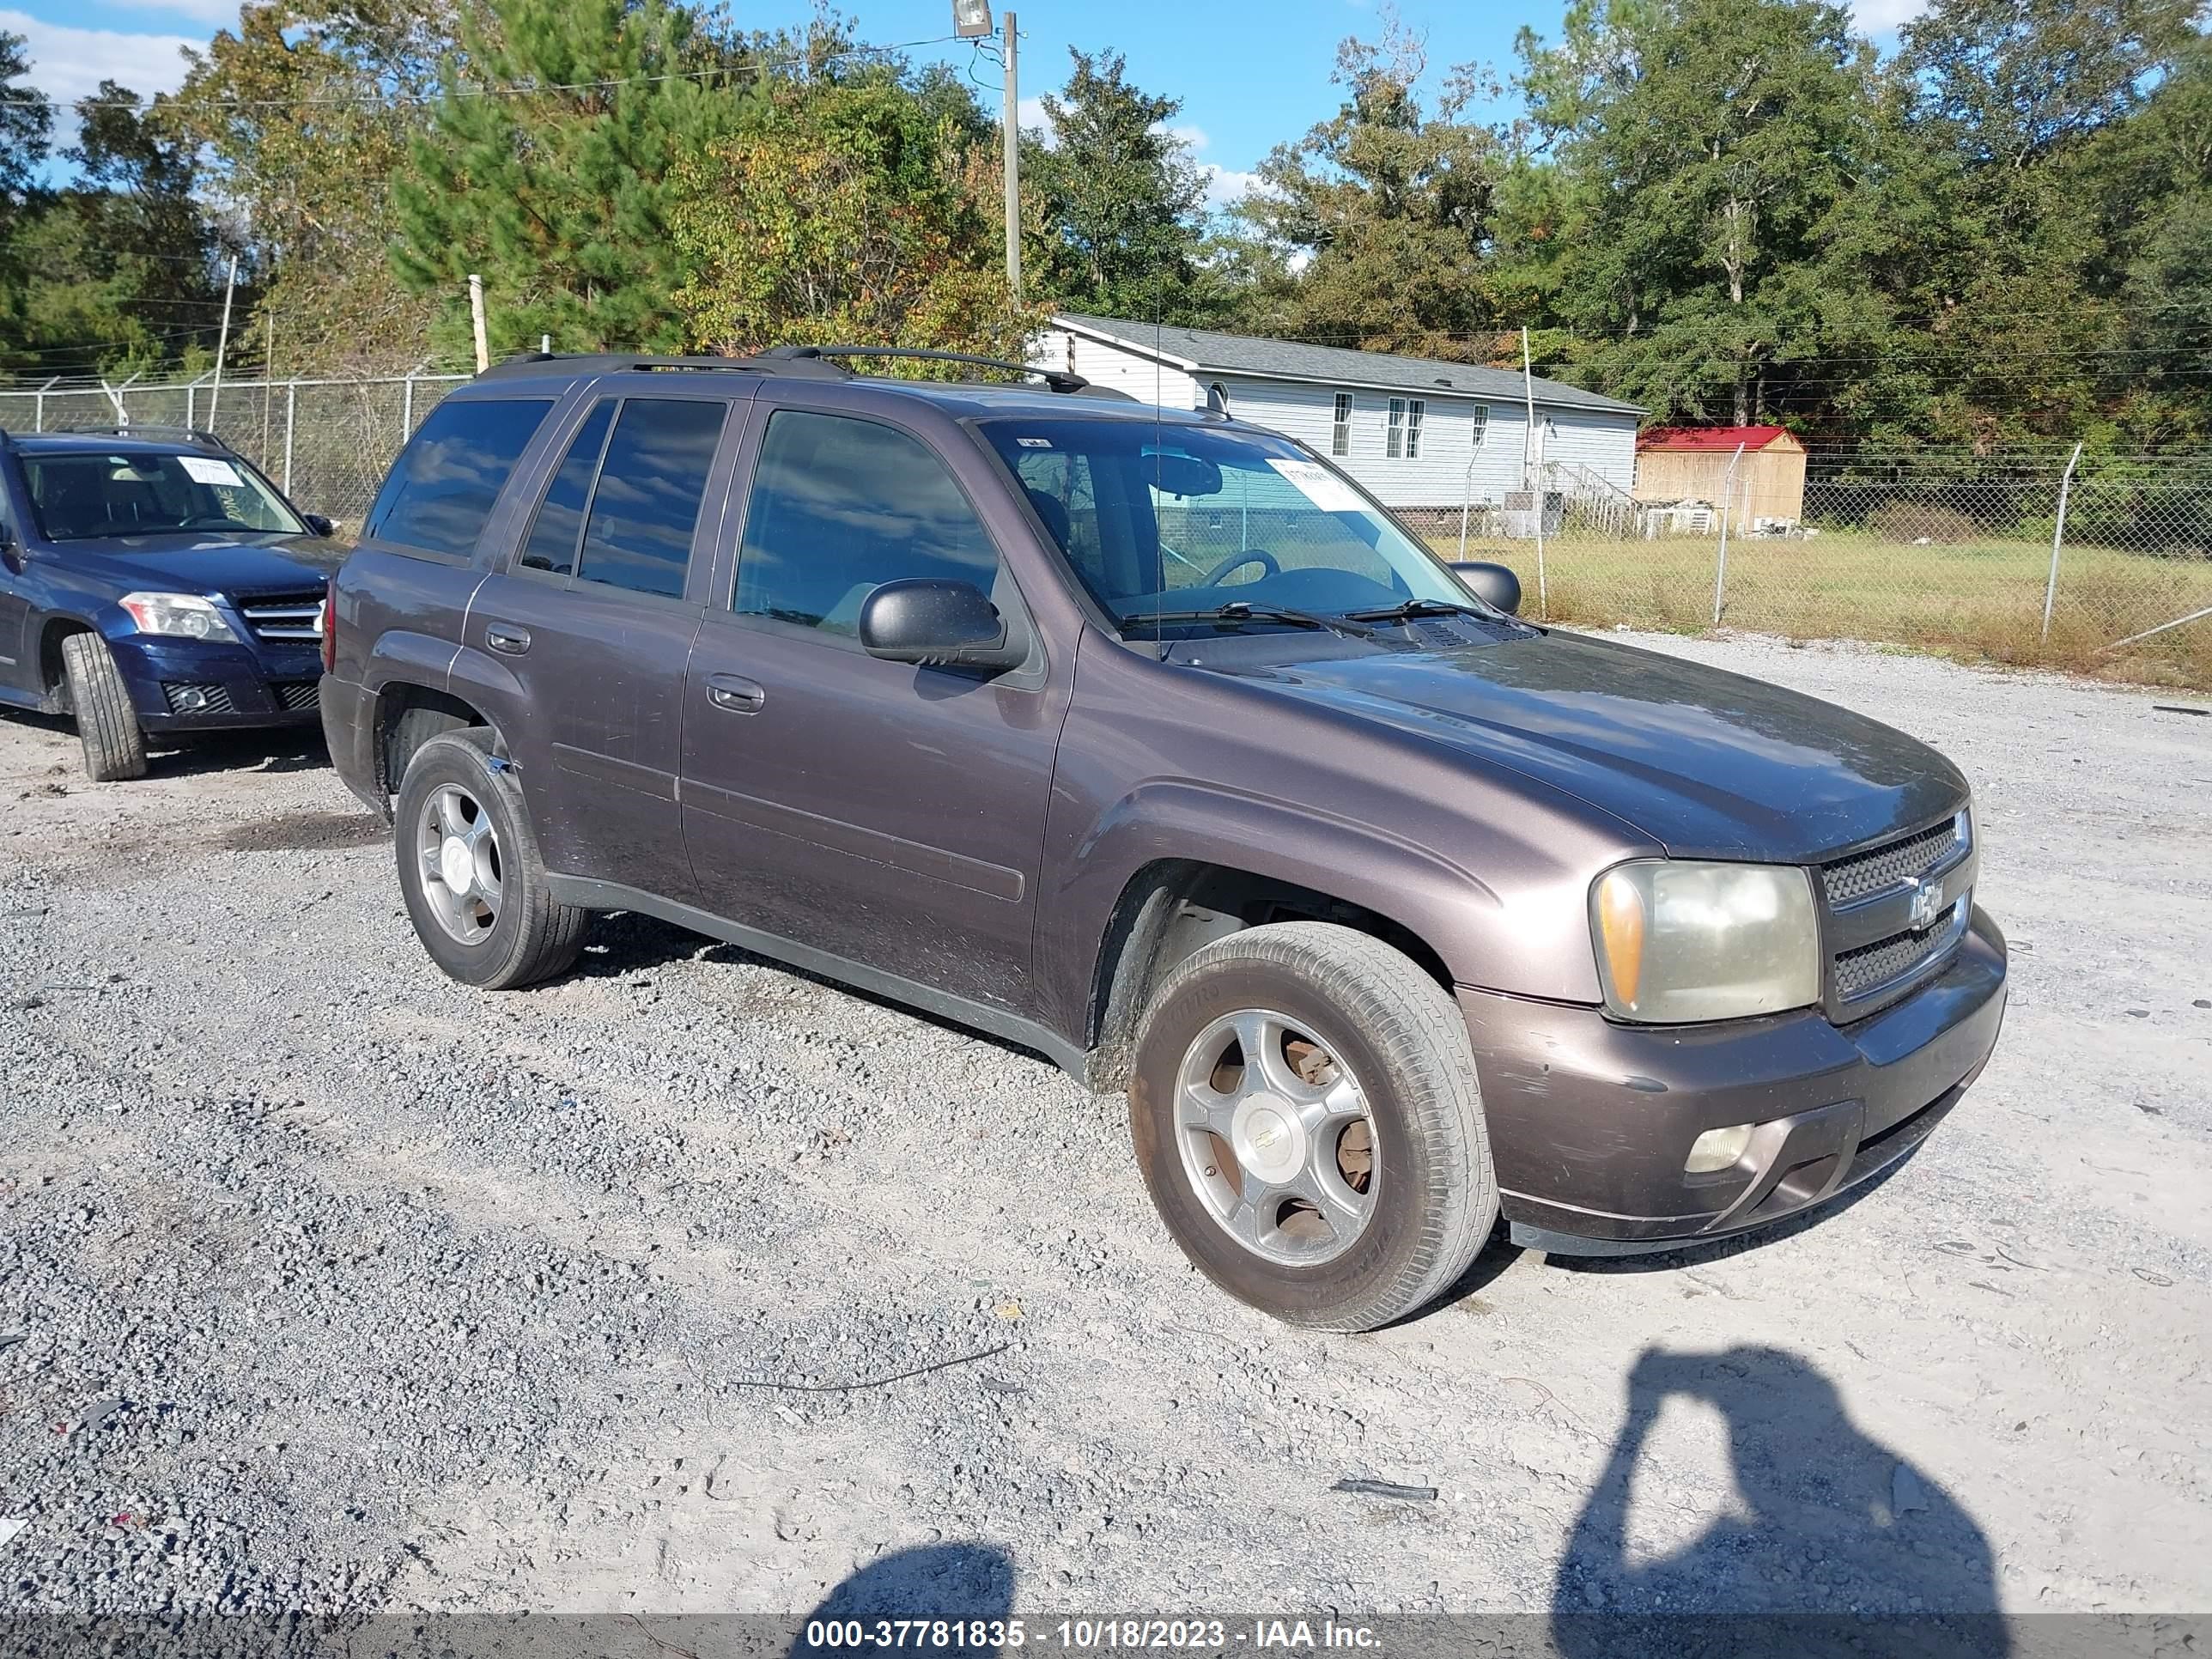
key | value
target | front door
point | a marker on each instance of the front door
(594, 616)
(884, 814)
(19, 655)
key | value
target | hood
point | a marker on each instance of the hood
(197, 562)
(1705, 762)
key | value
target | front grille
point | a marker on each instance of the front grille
(1867, 968)
(185, 697)
(1862, 874)
(285, 616)
(1882, 939)
(298, 693)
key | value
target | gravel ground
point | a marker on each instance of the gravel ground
(328, 1284)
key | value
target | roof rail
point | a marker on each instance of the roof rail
(149, 430)
(534, 362)
(1059, 379)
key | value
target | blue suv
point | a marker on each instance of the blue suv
(153, 583)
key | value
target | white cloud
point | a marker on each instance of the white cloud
(1224, 186)
(69, 63)
(1884, 16)
(1194, 136)
(1030, 113)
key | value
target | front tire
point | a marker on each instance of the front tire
(106, 724)
(475, 887)
(1344, 1181)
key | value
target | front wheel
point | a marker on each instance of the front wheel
(106, 724)
(1306, 1115)
(475, 887)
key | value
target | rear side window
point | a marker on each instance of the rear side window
(560, 521)
(646, 505)
(445, 484)
(839, 506)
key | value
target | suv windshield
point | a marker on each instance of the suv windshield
(81, 494)
(1183, 520)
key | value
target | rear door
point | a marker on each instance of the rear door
(888, 815)
(593, 615)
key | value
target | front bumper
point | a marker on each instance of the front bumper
(1591, 1122)
(181, 686)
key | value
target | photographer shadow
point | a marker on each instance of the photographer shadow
(1837, 1546)
(971, 1587)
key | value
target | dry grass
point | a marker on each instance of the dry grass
(1978, 600)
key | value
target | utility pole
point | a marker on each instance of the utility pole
(1011, 121)
(222, 340)
(476, 316)
(1532, 478)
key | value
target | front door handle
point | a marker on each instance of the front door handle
(735, 693)
(506, 638)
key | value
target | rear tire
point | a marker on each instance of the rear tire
(1369, 1105)
(475, 886)
(106, 724)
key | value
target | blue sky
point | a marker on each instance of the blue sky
(1250, 72)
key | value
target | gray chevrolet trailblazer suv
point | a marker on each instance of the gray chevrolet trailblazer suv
(1149, 741)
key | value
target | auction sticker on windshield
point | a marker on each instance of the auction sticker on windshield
(201, 470)
(1320, 486)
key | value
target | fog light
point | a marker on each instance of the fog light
(190, 699)
(1718, 1149)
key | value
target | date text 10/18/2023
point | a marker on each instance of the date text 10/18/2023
(1119, 1634)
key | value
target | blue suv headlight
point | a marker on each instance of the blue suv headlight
(183, 615)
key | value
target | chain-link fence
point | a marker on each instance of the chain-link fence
(2027, 555)
(327, 442)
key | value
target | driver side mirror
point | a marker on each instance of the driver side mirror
(937, 624)
(318, 524)
(1493, 582)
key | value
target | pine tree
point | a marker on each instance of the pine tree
(547, 168)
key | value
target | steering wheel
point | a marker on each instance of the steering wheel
(1249, 556)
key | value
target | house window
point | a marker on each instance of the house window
(1394, 443)
(1339, 433)
(1477, 423)
(1414, 410)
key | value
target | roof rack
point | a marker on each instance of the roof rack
(810, 362)
(532, 362)
(1059, 379)
(149, 430)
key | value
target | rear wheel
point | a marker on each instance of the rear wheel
(106, 724)
(475, 887)
(1305, 1109)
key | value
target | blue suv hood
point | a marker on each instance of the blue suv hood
(1707, 763)
(194, 561)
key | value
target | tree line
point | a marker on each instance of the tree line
(1722, 209)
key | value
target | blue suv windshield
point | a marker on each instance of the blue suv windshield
(1179, 519)
(89, 495)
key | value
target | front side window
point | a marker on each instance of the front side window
(1394, 444)
(1340, 431)
(444, 485)
(840, 506)
(1414, 410)
(82, 495)
(652, 482)
(1190, 517)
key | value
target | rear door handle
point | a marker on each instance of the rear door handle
(505, 637)
(735, 693)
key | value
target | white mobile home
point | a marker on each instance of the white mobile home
(1423, 435)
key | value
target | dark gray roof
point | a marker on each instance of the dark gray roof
(1215, 353)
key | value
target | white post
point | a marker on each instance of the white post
(2058, 536)
(1009, 122)
(407, 410)
(1727, 510)
(291, 408)
(222, 340)
(38, 408)
(1529, 481)
(476, 319)
(1466, 500)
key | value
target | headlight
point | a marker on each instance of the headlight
(1679, 942)
(187, 615)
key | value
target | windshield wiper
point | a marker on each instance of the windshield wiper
(1245, 611)
(1413, 608)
